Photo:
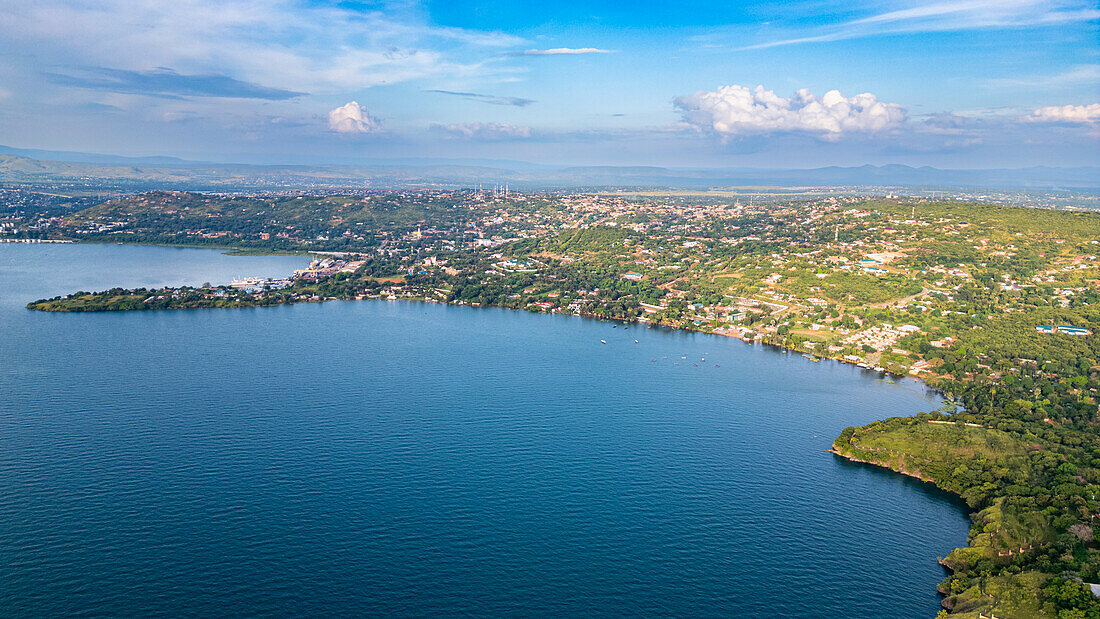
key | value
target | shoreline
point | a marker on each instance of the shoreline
(851, 458)
(229, 250)
(635, 321)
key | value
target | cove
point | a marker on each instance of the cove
(390, 458)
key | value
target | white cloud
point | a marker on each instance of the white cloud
(951, 16)
(1086, 75)
(738, 110)
(350, 118)
(563, 51)
(484, 131)
(318, 48)
(1066, 114)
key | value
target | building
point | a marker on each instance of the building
(1063, 329)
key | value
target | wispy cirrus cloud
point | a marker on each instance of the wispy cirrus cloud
(286, 45)
(483, 98)
(563, 51)
(1081, 75)
(166, 82)
(949, 16)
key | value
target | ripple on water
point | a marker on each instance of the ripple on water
(398, 458)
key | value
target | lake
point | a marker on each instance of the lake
(399, 458)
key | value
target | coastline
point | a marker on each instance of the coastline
(851, 458)
(753, 338)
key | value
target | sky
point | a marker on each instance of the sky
(787, 84)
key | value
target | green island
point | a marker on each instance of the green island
(996, 307)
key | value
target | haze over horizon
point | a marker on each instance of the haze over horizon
(974, 84)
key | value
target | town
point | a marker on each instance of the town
(875, 282)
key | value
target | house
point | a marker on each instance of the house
(1063, 329)
(919, 367)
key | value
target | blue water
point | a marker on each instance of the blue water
(394, 458)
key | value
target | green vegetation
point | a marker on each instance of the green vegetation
(949, 292)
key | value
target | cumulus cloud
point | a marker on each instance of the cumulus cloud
(737, 110)
(484, 131)
(350, 118)
(562, 51)
(1066, 114)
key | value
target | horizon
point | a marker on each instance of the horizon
(162, 160)
(977, 85)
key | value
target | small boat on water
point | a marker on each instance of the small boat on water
(603, 341)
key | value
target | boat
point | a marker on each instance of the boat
(603, 341)
(247, 282)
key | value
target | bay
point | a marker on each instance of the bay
(397, 458)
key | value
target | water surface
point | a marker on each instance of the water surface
(394, 458)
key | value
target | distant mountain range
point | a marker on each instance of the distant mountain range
(27, 165)
(76, 157)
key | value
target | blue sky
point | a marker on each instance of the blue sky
(969, 83)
